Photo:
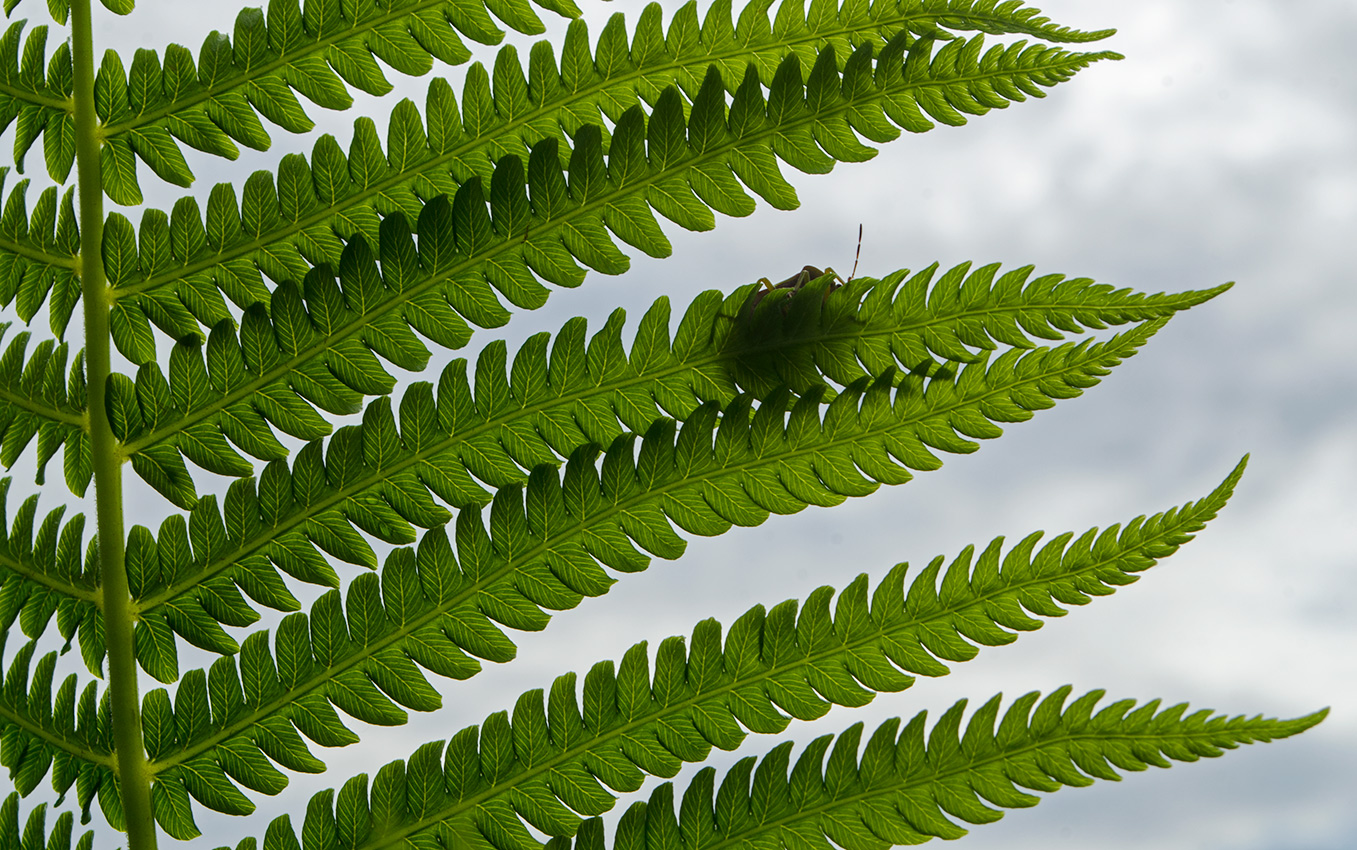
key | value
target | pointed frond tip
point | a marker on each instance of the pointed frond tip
(907, 784)
(790, 661)
(998, 17)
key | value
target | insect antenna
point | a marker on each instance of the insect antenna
(857, 256)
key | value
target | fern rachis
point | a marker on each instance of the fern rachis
(518, 486)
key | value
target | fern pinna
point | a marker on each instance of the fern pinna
(527, 481)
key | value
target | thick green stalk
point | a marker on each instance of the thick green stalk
(134, 780)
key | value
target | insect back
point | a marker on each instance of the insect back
(778, 330)
(782, 329)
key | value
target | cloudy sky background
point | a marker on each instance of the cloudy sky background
(1220, 149)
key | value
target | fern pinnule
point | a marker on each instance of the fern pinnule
(40, 397)
(182, 414)
(49, 569)
(47, 730)
(41, 254)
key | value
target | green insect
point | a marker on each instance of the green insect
(796, 282)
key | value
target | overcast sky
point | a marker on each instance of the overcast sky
(1221, 149)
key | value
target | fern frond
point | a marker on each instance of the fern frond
(38, 254)
(285, 223)
(192, 414)
(321, 51)
(327, 349)
(42, 573)
(379, 477)
(544, 552)
(283, 229)
(40, 397)
(918, 322)
(550, 759)
(63, 733)
(36, 91)
(34, 835)
(909, 785)
(1008, 16)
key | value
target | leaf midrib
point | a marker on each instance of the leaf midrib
(60, 104)
(468, 592)
(66, 417)
(17, 565)
(21, 249)
(549, 228)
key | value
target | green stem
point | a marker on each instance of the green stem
(134, 780)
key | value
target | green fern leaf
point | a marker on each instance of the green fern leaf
(52, 732)
(36, 96)
(319, 52)
(543, 547)
(40, 397)
(542, 410)
(525, 482)
(37, 254)
(909, 785)
(407, 39)
(35, 834)
(44, 573)
(343, 196)
(447, 270)
(562, 749)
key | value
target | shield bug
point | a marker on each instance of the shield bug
(798, 281)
